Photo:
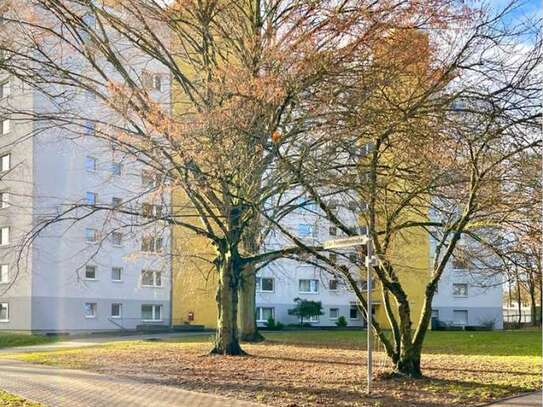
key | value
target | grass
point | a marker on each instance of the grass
(490, 343)
(313, 368)
(9, 340)
(10, 400)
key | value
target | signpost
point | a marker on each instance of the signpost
(371, 261)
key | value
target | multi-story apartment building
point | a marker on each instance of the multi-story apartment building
(104, 271)
(468, 296)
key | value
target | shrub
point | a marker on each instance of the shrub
(272, 324)
(341, 322)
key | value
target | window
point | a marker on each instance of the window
(4, 312)
(264, 284)
(116, 238)
(150, 210)
(116, 168)
(5, 162)
(308, 286)
(332, 231)
(4, 273)
(460, 317)
(90, 310)
(5, 126)
(4, 200)
(459, 264)
(313, 318)
(116, 274)
(116, 310)
(363, 230)
(151, 312)
(116, 202)
(264, 313)
(333, 257)
(91, 198)
(90, 163)
(91, 235)
(157, 82)
(151, 244)
(90, 128)
(332, 285)
(353, 312)
(332, 204)
(460, 289)
(4, 236)
(4, 89)
(305, 230)
(90, 272)
(334, 313)
(352, 205)
(149, 179)
(151, 278)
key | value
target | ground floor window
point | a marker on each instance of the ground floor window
(116, 310)
(264, 313)
(4, 312)
(353, 312)
(460, 317)
(151, 312)
(90, 310)
(334, 313)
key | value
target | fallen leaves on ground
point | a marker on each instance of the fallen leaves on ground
(291, 375)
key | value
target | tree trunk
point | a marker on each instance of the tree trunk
(227, 337)
(409, 363)
(247, 307)
(533, 304)
(519, 304)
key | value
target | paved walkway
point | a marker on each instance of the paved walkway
(58, 387)
(95, 341)
(529, 400)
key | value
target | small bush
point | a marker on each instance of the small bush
(306, 325)
(341, 322)
(272, 324)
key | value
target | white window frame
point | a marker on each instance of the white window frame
(259, 284)
(351, 306)
(259, 313)
(153, 312)
(5, 85)
(114, 166)
(464, 312)
(6, 126)
(89, 159)
(5, 162)
(6, 305)
(460, 295)
(4, 199)
(4, 235)
(120, 274)
(4, 273)
(96, 235)
(330, 313)
(93, 307)
(92, 195)
(330, 286)
(120, 315)
(89, 266)
(155, 279)
(312, 283)
(117, 234)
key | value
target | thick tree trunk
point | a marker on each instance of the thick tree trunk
(247, 307)
(533, 304)
(227, 337)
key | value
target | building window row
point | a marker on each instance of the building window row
(149, 278)
(149, 312)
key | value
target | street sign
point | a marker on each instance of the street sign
(346, 242)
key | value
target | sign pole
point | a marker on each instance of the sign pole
(369, 310)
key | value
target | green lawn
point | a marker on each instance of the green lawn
(9, 340)
(491, 343)
(9, 400)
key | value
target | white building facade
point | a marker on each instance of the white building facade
(104, 271)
